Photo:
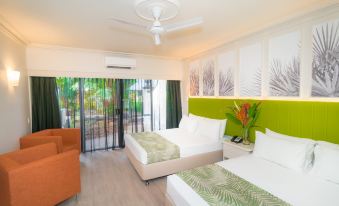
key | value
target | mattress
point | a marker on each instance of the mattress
(288, 185)
(189, 144)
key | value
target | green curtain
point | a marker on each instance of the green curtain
(173, 101)
(45, 105)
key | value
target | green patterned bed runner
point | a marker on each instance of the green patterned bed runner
(158, 149)
(218, 186)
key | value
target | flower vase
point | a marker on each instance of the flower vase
(245, 139)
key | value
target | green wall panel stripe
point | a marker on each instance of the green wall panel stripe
(314, 120)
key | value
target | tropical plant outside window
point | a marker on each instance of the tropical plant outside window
(105, 109)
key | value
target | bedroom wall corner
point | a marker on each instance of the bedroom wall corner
(14, 106)
(185, 88)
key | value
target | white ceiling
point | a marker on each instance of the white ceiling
(84, 24)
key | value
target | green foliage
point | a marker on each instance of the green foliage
(99, 96)
(244, 114)
(232, 117)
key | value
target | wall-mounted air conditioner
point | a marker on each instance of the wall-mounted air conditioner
(120, 62)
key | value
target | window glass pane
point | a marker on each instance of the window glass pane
(95, 105)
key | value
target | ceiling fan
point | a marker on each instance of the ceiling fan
(158, 11)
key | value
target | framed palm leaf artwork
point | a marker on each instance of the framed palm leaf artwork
(226, 64)
(284, 65)
(208, 77)
(250, 70)
(325, 65)
(194, 69)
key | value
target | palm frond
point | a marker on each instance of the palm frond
(194, 82)
(218, 186)
(208, 78)
(325, 63)
(226, 83)
(285, 79)
(252, 88)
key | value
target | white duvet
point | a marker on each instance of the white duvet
(292, 187)
(189, 144)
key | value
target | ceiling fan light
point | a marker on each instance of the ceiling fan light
(157, 39)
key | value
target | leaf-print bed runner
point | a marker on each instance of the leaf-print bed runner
(158, 149)
(218, 186)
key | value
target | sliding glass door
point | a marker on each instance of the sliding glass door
(106, 109)
(69, 101)
(101, 111)
(144, 105)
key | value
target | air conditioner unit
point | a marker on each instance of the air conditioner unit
(120, 62)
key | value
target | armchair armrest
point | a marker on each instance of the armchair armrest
(31, 141)
(69, 136)
(58, 174)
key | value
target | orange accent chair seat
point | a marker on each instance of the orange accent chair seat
(39, 176)
(65, 139)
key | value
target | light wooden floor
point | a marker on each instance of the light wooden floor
(108, 178)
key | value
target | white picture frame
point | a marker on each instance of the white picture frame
(250, 69)
(284, 65)
(227, 63)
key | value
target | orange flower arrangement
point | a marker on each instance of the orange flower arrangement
(244, 115)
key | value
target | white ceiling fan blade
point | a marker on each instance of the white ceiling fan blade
(184, 25)
(128, 23)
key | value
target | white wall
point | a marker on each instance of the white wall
(14, 107)
(43, 60)
(302, 24)
(60, 61)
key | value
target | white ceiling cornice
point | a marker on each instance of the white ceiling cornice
(10, 31)
(64, 48)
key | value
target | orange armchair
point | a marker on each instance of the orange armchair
(38, 176)
(65, 139)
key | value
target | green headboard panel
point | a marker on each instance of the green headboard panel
(314, 120)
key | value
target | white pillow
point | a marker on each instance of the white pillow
(183, 122)
(208, 129)
(285, 153)
(328, 144)
(222, 123)
(188, 124)
(309, 156)
(326, 163)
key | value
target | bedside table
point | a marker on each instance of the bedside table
(231, 149)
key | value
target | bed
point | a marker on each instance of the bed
(293, 188)
(279, 184)
(194, 149)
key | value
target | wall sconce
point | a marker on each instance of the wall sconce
(13, 77)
